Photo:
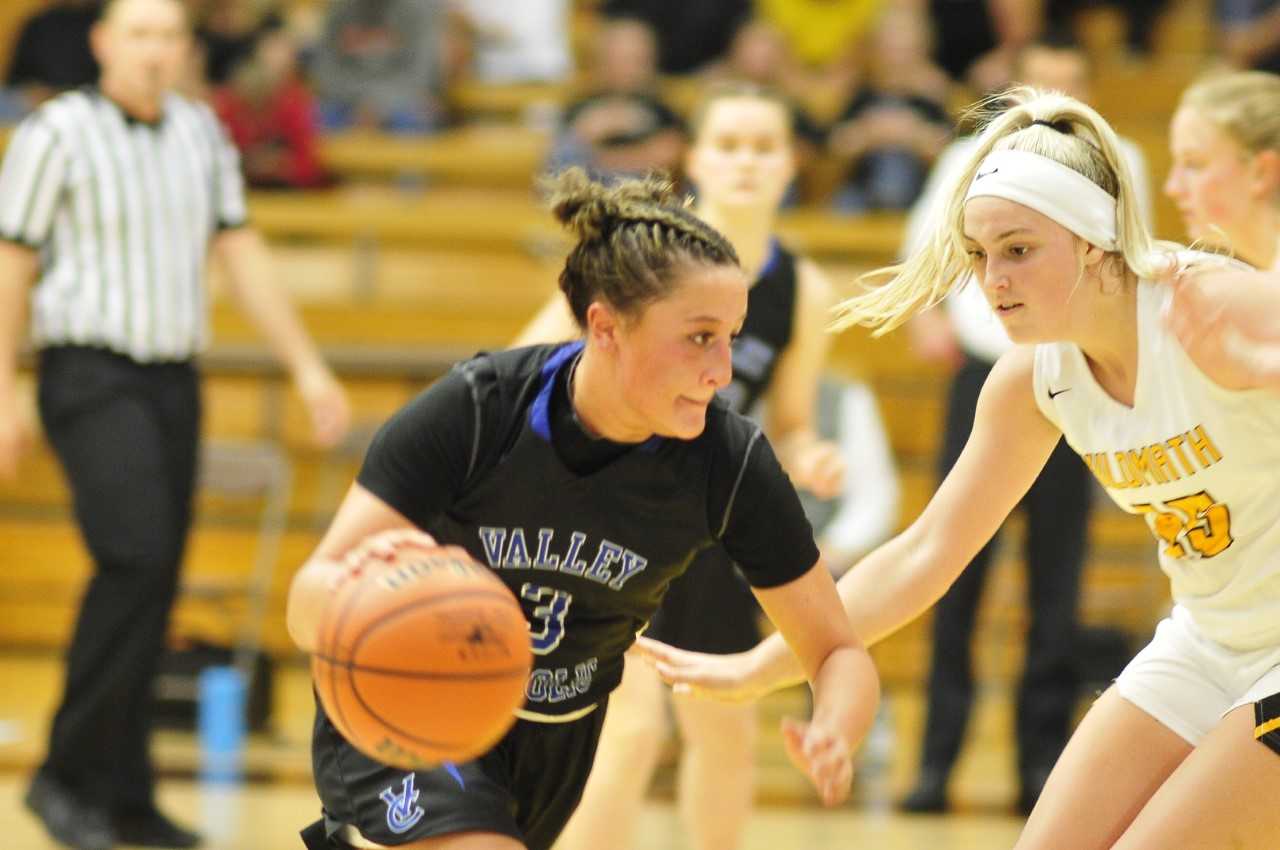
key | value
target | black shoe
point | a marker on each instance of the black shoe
(152, 829)
(930, 794)
(69, 819)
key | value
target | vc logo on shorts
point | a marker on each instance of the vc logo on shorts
(402, 809)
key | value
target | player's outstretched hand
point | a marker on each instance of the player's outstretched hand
(823, 755)
(730, 678)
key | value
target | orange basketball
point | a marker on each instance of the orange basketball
(422, 659)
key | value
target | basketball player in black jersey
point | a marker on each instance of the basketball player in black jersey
(741, 162)
(588, 475)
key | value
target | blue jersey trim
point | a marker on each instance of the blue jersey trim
(540, 411)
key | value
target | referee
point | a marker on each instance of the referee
(111, 200)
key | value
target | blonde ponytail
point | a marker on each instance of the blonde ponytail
(1050, 124)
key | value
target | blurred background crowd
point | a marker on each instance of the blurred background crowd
(876, 84)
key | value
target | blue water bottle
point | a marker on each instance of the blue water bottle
(220, 721)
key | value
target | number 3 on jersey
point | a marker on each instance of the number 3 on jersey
(1196, 522)
(546, 624)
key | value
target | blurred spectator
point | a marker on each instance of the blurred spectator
(980, 38)
(270, 115)
(896, 124)
(384, 64)
(820, 32)
(691, 33)
(1250, 33)
(1056, 61)
(51, 53)
(759, 55)
(1224, 141)
(827, 40)
(226, 32)
(621, 126)
(519, 42)
(1141, 17)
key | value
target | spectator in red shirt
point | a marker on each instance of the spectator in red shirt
(270, 115)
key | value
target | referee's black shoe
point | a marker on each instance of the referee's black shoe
(929, 796)
(70, 820)
(150, 828)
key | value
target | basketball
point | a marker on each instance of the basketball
(422, 659)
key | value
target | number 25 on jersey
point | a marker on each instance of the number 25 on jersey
(1194, 525)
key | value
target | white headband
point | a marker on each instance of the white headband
(1063, 194)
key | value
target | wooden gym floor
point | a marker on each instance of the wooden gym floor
(266, 818)
(265, 812)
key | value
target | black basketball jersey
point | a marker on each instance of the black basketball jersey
(590, 555)
(771, 305)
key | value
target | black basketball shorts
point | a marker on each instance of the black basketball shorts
(1266, 721)
(526, 787)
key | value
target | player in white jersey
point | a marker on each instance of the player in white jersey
(1177, 415)
(965, 335)
(1224, 141)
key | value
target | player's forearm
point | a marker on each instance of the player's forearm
(883, 592)
(846, 691)
(308, 595)
(250, 279)
(898, 582)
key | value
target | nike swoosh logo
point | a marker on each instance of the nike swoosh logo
(1054, 394)
(982, 174)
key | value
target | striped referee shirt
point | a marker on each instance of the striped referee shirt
(122, 213)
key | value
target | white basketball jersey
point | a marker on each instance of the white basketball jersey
(1200, 463)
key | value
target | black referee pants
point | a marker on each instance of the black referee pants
(126, 435)
(1057, 509)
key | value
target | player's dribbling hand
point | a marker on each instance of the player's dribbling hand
(821, 754)
(382, 548)
(729, 678)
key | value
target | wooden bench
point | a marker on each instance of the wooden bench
(461, 219)
(506, 155)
